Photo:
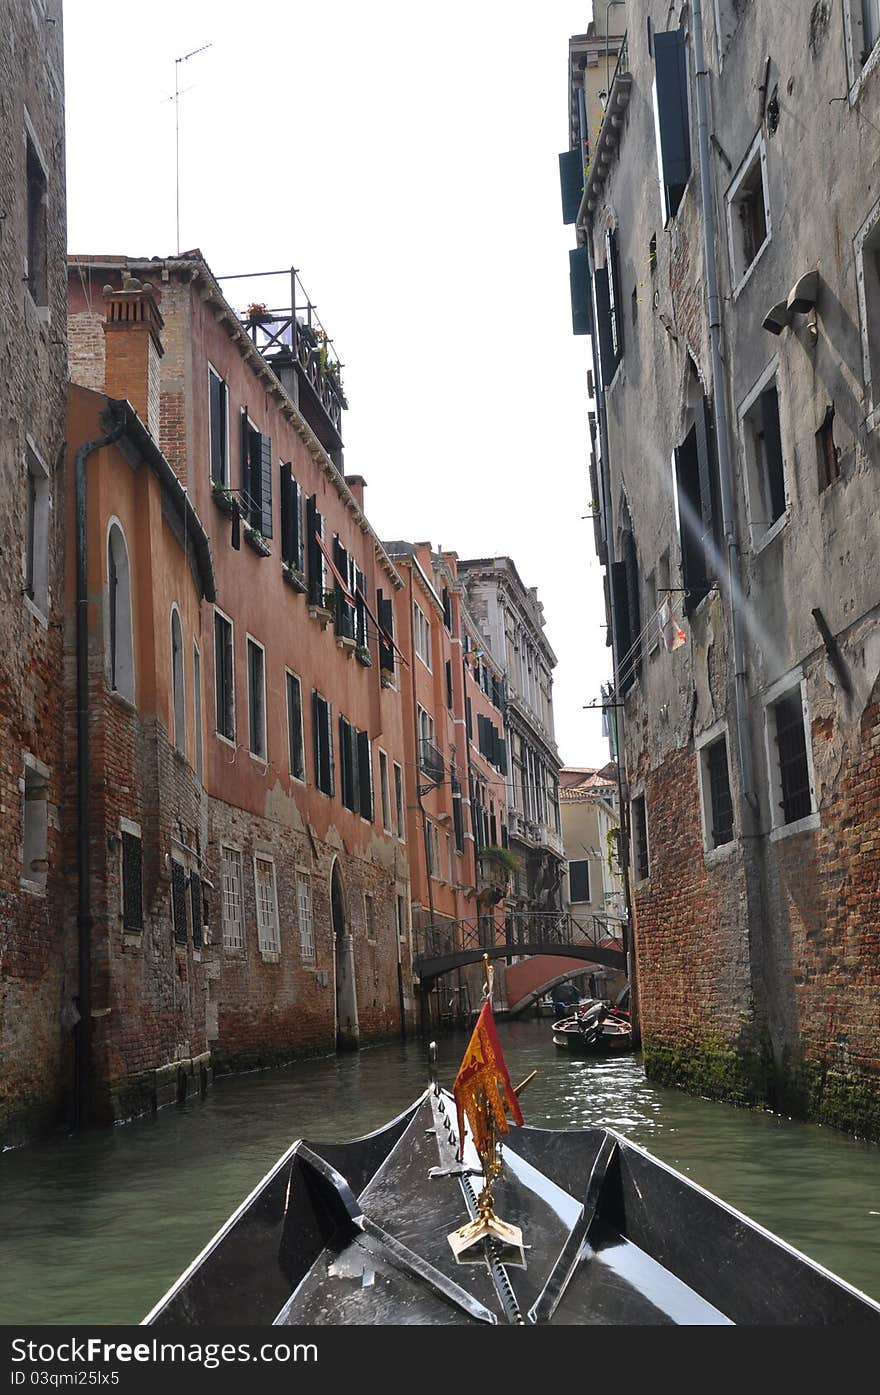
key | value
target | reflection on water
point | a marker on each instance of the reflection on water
(95, 1228)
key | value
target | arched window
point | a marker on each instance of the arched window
(120, 657)
(177, 692)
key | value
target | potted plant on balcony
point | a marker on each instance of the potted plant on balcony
(294, 577)
(257, 312)
(222, 497)
(498, 866)
(255, 539)
(363, 655)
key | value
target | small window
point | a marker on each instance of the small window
(37, 228)
(304, 916)
(256, 663)
(717, 801)
(291, 520)
(641, 864)
(867, 252)
(765, 469)
(827, 453)
(177, 683)
(35, 824)
(196, 909)
(384, 792)
(197, 710)
(791, 786)
(120, 656)
(449, 696)
(429, 847)
(178, 901)
(697, 501)
(232, 917)
(398, 802)
(268, 936)
(218, 411)
(322, 734)
(295, 727)
(401, 917)
(748, 214)
(422, 635)
(132, 871)
(36, 559)
(579, 881)
(370, 916)
(386, 633)
(224, 676)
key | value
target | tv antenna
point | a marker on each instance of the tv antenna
(177, 95)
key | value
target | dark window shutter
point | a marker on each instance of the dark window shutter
(671, 97)
(195, 901)
(298, 525)
(178, 901)
(360, 590)
(245, 461)
(132, 882)
(457, 821)
(288, 531)
(468, 719)
(633, 589)
(317, 717)
(365, 775)
(386, 620)
(603, 325)
(773, 451)
(218, 427)
(708, 478)
(449, 684)
(571, 179)
(313, 552)
(579, 281)
(265, 524)
(615, 293)
(502, 756)
(579, 881)
(622, 632)
(345, 763)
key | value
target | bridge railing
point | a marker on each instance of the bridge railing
(521, 928)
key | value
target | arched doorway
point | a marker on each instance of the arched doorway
(346, 997)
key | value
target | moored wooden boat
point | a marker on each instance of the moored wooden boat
(357, 1233)
(594, 1032)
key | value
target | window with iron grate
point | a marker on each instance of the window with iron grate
(795, 794)
(178, 901)
(720, 812)
(641, 860)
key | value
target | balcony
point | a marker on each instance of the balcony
(617, 101)
(431, 761)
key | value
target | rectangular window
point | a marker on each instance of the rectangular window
(37, 228)
(365, 775)
(641, 865)
(671, 117)
(322, 734)
(348, 765)
(697, 496)
(615, 293)
(195, 906)
(717, 801)
(304, 916)
(197, 711)
(386, 634)
(791, 783)
(579, 881)
(627, 614)
(398, 802)
(449, 862)
(384, 792)
(429, 847)
(291, 520)
(268, 936)
(132, 860)
(449, 684)
(765, 467)
(295, 727)
(36, 559)
(827, 452)
(218, 414)
(401, 917)
(422, 630)
(178, 901)
(315, 561)
(256, 475)
(256, 661)
(224, 678)
(748, 214)
(232, 915)
(35, 824)
(370, 916)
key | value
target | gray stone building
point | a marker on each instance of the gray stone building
(511, 621)
(33, 365)
(727, 221)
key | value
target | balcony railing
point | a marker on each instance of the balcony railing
(520, 928)
(431, 761)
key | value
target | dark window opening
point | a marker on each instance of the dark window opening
(291, 520)
(386, 635)
(218, 407)
(223, 676)
(178, 901)
(579, 881)
(627, 614)
(720, 801)
(256, 470)
(671, 113)
(195, 902)
(449, 684)
(827, 453)
(794, 770)
(698, 516)
(37, 229)
(322, 734)
(768, 449)
(132, 883)
(256, 699)
(640, 838)
(294, 727)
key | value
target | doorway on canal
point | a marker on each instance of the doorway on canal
(347, 1031)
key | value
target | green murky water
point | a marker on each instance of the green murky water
(95, 1228)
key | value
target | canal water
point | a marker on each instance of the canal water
(94, 1228)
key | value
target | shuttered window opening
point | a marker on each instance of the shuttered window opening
(580, 288)
(386, 620)
(295, 727)
(571, 181)
(316, 568)
(365, 775)
(178, 901)
(218, 410)
(579, 881)
(449, 684)
(422, 631)
(400, 826)
(468, 719)
(447, 610)
(384, 792)
(196, 909)
(607, 360)
(304, 916)
(794, 771)
(639, 835)
(615, 293)
(224, 676)
(671, 118)
(627, 615)
(231, 909)
(322, 734)
(360, 609)
(268, 935)
(291, 519)
(256, 471)
(348, 765)
(720, 801)
(132, 882)
(457, 816)
(698, 490)
(256, 661)
(770, 442)
(345, 611)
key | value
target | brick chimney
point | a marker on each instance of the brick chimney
(357, 484)
(133, 348)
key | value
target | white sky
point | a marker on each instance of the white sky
(404, 158)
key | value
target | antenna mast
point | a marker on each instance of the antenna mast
(177, 63)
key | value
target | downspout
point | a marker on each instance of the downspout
(83, 1030)
(415, 711)
(741, 697)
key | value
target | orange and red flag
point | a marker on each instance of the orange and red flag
(480, 1072)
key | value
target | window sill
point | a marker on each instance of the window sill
(39, 615)
(32, 888)
(747, 274)
(227, 740)
(772, 532)
(132, 939)
(343, 642)
(259, 760)
(808, 824)
(270, 956)
(321, 614)
(233, 951)
(712, 856)
(122, 701)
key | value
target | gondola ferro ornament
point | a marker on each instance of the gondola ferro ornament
(484, 1094)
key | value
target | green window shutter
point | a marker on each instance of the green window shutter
(579, 281)
(265, 524)
(671, 112)
(708, 476)
(571, 179)
(287, 499)
(245, 461)
(603, 324)
(365, 775)
(622, 631)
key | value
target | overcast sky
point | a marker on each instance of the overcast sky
(404, 158)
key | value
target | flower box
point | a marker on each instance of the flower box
(363, 656)
(223, 499)
(294, 578)
(257, 542)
